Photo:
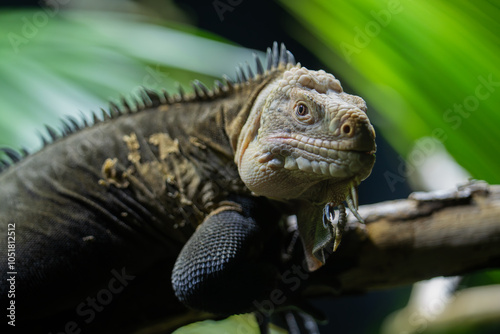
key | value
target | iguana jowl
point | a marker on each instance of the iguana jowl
(203, 180)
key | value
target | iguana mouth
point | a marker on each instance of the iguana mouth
(326, 148)
(323, 157)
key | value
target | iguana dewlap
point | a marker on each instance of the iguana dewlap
(203, 180)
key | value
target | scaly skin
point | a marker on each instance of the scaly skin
(307, 140)
(131, 191)
(307, 137)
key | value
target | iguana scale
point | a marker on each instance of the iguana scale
(184, 196)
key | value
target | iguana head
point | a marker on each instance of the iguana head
(308, 143)
(306, 139)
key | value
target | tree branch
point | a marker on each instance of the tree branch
(404, 241)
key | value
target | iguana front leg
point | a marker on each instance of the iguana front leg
(231, 260)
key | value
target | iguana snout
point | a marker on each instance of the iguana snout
(353, 131)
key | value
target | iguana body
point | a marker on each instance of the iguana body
(121, 198)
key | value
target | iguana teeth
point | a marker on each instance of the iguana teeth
(304, 164)
(315, 167)
(338, 170)
(290, 163)
(333, 170)
(324, 166)
(264, 157)
(276, 163)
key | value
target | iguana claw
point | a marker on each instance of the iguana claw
(352, 203)
(338, 226)
(328, 215)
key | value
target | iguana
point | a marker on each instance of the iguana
(182, 197)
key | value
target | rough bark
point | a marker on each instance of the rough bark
(429, 234)
(404, 241)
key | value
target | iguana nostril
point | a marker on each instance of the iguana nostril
(346, 129)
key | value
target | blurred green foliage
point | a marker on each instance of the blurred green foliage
(429, 68)
(77, 60)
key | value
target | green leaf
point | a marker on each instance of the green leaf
(428, 68)
(77, 61)
(243, 323)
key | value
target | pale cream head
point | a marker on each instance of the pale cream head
(306, 138)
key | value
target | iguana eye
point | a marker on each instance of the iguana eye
(303, 114)
(301, 110)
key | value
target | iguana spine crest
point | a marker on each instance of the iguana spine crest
(276, 58)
